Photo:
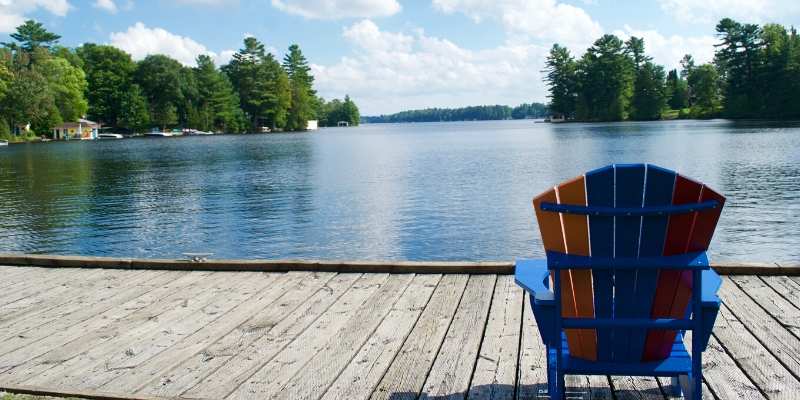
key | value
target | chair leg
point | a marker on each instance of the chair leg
(674, 387)
(562, 387)
(687, 387)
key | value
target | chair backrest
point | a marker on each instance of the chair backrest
(631, 227)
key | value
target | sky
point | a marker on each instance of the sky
(394, 55)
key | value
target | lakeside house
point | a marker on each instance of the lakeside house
(83, 129)
(22, 130)
(312, 125)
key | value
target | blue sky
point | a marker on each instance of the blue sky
(391, 55)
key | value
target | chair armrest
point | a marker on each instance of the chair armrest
(533, 276)
(710, 303)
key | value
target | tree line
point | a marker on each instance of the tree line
(44, 84)
(472, 113)
(755, 74)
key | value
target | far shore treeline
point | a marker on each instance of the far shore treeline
(755, 74)
(44, 84)
(473, 113)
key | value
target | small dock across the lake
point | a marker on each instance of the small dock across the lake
(136, 333)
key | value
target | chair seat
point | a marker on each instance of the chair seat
(679, 362)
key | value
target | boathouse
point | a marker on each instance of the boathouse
(83, 129)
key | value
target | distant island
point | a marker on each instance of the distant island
(755, 74)
(472, 113)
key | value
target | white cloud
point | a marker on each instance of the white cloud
(13, 12)
(141, 41)
(523, 20)
(335, 9)
(393, 71)
(711, 11)
(668, 50)
(107, 5)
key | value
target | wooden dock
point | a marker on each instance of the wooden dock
(141, 333)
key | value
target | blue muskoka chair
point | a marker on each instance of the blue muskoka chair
(626, 255)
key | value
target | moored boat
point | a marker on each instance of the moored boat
(3, 142)
(109, 136)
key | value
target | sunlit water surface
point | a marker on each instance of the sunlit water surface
(432, 191)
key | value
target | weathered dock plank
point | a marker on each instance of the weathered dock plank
(406, 374)
(495, 375)
(44, 348)
(326, 366)
(315, 367)
(755, 361)
(784, 345)
(359, 377)
(277, 364)
(454, 366)
(251, 344)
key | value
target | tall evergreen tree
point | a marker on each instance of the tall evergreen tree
(218, 105)
(301, 87)
(738, 57)
(606, 81)
(677, 91)
(561, 79)
(32, 35)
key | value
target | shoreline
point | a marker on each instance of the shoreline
(342, 266)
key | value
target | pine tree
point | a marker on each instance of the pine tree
(301, 86)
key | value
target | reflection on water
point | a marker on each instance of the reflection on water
(449, 191)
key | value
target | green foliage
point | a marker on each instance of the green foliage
(66, 84)
(162, 82)
(217, 105)
(109, 75)
(562, 78)
(301, 87)
(605, 75)
(755, 74)
(473, 113)
(337, 111)
(677, 91)
(32, 35)
(262, 84)
(133, 111)
(704, 84)
(649, 97)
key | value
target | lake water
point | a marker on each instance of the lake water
(428, 191)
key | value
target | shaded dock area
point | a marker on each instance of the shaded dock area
(144, 333)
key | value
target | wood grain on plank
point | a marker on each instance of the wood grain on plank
(275, 360)
(37, 336)
(406, 375)
(784, 345)
(138, 340)
(776, 305)
(636, 387)
(327, 364)
(193, 345)
(168, 348)
(248, 345)
(722, 375)
(532, 373)
(59, 297)
(453, 368)
(89, 303)
(495, 373)
(313, 369)
(368, 366)
(787, 287)
(751, 356)
(60, 343)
